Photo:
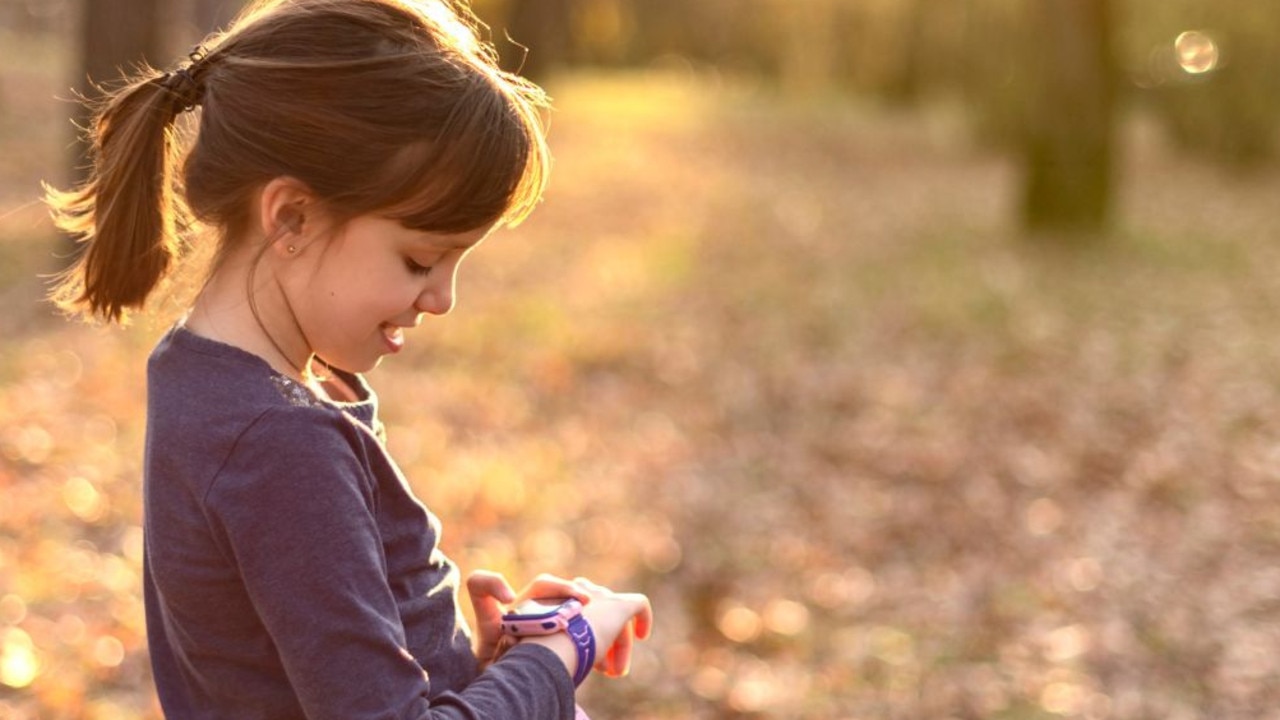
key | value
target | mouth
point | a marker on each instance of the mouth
(393, 337)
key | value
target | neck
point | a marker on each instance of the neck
(243, 305)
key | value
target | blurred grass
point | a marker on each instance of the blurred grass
(791, 370)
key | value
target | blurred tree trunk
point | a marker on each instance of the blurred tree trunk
(115, 37)
(808, 47)
(543, 27)
(1069, 141)
(907, 76)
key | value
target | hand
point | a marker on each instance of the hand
(617, 619)
(550, 586)
(490, 592)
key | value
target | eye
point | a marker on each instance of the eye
(416, 268)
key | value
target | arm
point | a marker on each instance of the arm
(297, 508)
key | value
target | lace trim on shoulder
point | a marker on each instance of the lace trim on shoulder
(296, 394)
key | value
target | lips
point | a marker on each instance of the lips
(393, 335)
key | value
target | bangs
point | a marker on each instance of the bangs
(487, 165)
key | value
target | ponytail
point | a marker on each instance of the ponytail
(127, 213)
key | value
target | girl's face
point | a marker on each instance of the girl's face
(354, 293)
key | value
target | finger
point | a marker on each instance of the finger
(488, 584)
(592, 586)
(644, 616)
(619, 655)
(487, 590)
(547, 586)
(593, 589)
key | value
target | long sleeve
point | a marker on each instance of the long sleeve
(291, 573)
(298, 516)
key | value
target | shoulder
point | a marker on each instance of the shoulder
(196, 385)
(220, 416)
(294, 461)
(300, 435)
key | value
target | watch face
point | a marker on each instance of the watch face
(541, 617)
(538, 606)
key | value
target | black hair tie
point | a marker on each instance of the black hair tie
(182, 83)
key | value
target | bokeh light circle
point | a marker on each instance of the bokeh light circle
(1197, 52)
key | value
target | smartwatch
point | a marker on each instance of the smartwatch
(548, 616)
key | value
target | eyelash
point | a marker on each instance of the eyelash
(415, 268)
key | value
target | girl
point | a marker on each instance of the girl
(350, 154)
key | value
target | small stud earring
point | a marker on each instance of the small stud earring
(292, 249)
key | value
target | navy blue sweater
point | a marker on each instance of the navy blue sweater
(290, 572)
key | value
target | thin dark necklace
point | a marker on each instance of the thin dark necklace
(312, 358)
(304, 370)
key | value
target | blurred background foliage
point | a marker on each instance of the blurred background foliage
(918, 357)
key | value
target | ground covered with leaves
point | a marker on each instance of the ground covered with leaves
(791, 370)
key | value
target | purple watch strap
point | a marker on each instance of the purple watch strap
(584, 642)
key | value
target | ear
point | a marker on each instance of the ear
(283, 207)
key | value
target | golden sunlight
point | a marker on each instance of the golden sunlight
(13, 609)
(1063, 698)
(738, 623)
(18, 663)
(83, 499)
(108, 651)
(1197, 52)
(786, 617)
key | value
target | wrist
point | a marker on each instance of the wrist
(558, 624)
(561, 645)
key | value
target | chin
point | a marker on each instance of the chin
(353, 366)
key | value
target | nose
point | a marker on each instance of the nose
(437, 297)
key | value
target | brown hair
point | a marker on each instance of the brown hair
(387, 106)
